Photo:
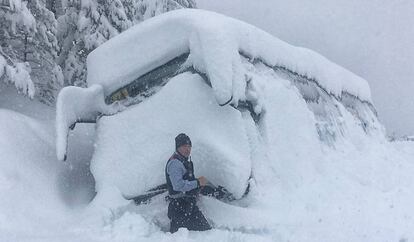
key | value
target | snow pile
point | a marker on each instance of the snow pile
(133, 146)
(214, 43)
(28, 173)
(37, 189)
(216, 52)
(301, 189)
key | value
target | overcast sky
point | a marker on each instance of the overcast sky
(374, 39)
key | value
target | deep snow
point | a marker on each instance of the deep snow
(133, 146)
(302, 189)
(343, 194)
(218, 53)
(356, 187)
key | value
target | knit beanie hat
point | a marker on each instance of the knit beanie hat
(182, 139)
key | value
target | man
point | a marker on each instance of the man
(183, 189)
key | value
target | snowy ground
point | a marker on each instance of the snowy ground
(320, 166)
(346, 195)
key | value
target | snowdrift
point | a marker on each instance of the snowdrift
(28, 173)
(140, 61)
(133, 146)
(240, 63)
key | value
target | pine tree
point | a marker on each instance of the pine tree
(30, 40)
(84, 26)
(87, 24)
(42, 56)
(17, 27)
(29, 47)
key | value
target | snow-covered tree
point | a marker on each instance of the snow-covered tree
(17, 26)
(46, 74)
(87, 24)
(84, 26)
(29, 44)
(29, 48)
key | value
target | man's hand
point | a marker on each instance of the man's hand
(202, 180)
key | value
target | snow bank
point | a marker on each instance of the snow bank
(28, 173)
(214, 43)
(133, 146)
(77, 104)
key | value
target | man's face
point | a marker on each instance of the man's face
(185, 150)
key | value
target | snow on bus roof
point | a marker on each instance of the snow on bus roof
(214, 43)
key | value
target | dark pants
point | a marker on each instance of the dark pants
(183, 212)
